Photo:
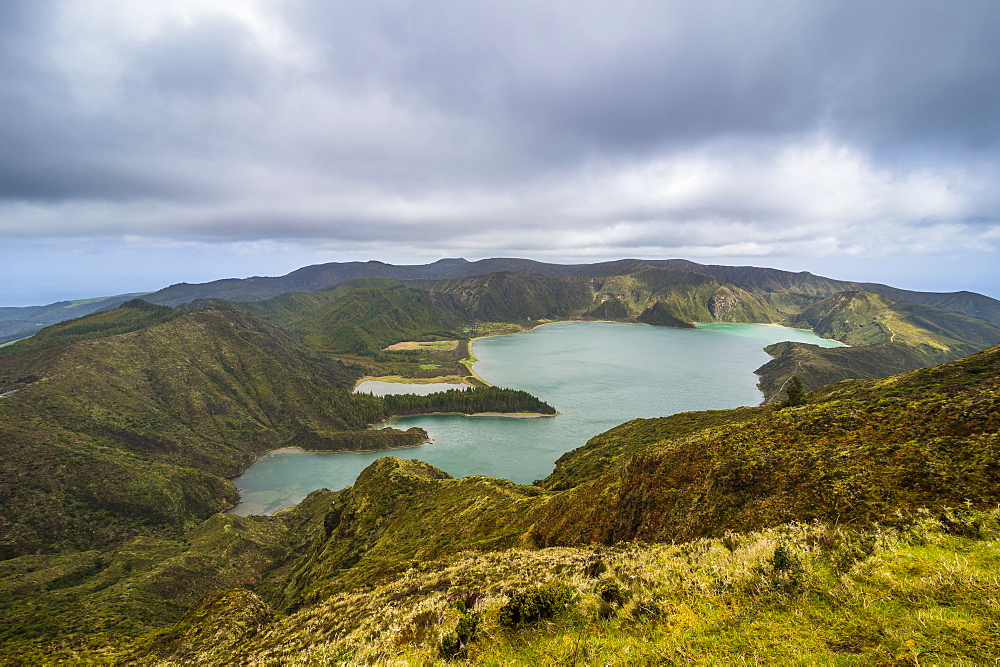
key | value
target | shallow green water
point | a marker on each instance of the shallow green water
(596, 374)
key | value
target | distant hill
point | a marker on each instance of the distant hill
(784, 291)
(774, 280)
(358, 308)
(306, 279)
(129, 316)
(320, 276)
(886, 335)
(363, 316)
(20, 322)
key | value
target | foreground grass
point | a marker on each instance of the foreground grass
(803, 594)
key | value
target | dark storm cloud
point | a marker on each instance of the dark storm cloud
(736, 127)
(644, 74)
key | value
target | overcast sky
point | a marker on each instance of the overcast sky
(145, 142)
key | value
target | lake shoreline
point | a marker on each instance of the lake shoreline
(503, 415)
(470, 361)
(632, 380)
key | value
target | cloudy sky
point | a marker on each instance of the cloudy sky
(145, 142)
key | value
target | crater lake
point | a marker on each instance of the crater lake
(596, 374)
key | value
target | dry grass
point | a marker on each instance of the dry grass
(805, 594)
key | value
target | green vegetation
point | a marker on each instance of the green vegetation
(887, 336)
(455, 645)
(859, 526)
(794, 393)
(468, 401)
(536, 604)
(109, 435)
(129, 316)
(361, 318)
(856, 523)
(360, 441)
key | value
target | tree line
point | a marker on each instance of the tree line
(468, 401)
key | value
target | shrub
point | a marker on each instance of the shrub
(611, 592)
(529, 607)
(455, 645)
(794, 392)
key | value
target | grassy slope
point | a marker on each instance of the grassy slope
(146, 440)
(856, 451)
(863, 318)
(362, 317)
(372, 572)
(886, 336)
(801, 593)
(134, 433)
(18, 322)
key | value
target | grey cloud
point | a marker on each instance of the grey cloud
(206, 60)
(580, 77)
(427, 123)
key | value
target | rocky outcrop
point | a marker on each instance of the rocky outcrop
(723, 301)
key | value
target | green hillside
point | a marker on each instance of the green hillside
(858, 527)
(363, 316)
(779, 285)
(19, 322)
(358, 308)
(102, 438)
(886, 336)
(129, 316)
(360, 318)
(863, 318)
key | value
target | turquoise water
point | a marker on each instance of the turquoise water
(596, 374)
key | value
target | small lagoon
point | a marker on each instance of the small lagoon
(596, 374)
(380, 388)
